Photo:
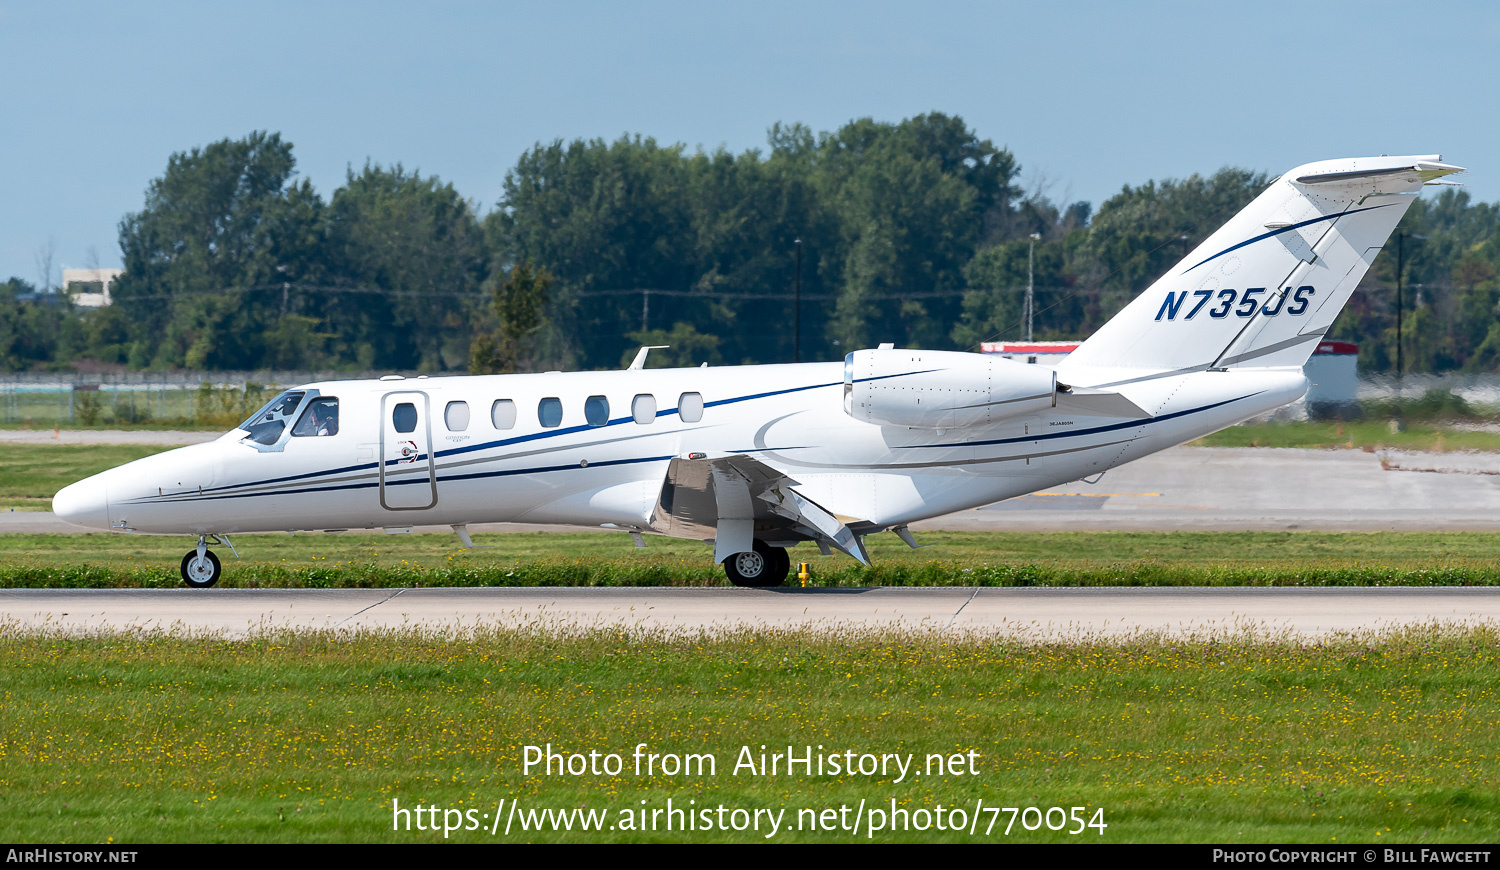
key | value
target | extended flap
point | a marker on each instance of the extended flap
(727, 498)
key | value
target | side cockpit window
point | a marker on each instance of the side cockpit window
(266, 425)
(320, 418)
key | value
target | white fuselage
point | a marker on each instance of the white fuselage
(611, 470)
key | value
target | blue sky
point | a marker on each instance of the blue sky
(1088, 96)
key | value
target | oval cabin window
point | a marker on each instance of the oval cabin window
(596, 410)
(456, 416)
(549, 412)
(643, 408)
(503, 414)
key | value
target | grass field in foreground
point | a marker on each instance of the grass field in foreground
(365, 560)
(310, 738)
(1364, 435)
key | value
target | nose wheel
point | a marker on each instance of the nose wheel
(200, 567)
(201, 571)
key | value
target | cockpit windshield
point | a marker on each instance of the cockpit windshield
(266, 425)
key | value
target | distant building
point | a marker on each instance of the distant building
(1332, 382)
(89, 288)
(1047, 353)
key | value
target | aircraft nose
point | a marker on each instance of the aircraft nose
(85, 503)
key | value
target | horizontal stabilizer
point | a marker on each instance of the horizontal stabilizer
(1426, 170)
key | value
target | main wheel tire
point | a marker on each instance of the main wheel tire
(201, 573)
(782, 564)
(758, 568)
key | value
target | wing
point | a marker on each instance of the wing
(729, 498)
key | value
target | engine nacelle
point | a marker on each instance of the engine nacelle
(934, 389)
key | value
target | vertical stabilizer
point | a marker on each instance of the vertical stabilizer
(1264, 288)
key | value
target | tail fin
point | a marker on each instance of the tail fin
(1264, 288)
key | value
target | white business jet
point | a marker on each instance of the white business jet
(757, 459)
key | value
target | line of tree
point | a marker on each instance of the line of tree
(917, 232)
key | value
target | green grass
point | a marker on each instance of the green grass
(1367, 435)
(363, 560)
(309, 738)
(216, 407)
(33, 473)
(44, 410)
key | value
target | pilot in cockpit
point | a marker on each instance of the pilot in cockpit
(321, 418)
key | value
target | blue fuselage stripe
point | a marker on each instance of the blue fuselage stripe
(369, 484)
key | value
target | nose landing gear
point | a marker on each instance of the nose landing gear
(201, 571)
(200, 567)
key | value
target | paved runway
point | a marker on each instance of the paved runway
(1027, 614)
(163, 437)
(1232, 489)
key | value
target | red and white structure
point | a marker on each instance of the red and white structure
(1047, 353)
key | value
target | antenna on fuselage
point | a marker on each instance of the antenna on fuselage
(640, 356)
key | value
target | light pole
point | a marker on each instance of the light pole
(286, 289)
(1030, 281)
(1401, 238)
(797, 309)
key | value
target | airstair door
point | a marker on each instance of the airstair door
(408, 474)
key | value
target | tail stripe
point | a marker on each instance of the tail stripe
(1278, 231)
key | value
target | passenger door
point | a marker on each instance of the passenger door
(408, 474)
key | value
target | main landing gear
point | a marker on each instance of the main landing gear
(200, 567)
(763, 566)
